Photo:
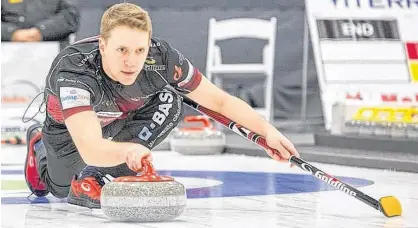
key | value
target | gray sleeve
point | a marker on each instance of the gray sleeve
(62, 24)
(7, 30)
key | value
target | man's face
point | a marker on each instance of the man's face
(124, 53)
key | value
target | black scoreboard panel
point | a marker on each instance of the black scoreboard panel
(359, 29)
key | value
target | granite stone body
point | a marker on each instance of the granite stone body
(143, 201)
(205, 142)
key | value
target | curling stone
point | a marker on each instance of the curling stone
(202, 140)
(148, 197)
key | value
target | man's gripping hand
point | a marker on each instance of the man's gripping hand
(278, 141)
(134, 156)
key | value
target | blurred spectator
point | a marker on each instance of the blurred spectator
(38, 20)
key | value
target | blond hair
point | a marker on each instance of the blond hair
(125, 14)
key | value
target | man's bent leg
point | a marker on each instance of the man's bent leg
(61, 170)
(49, 168)
(55, 166)
(35, 162)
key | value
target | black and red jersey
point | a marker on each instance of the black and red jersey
(77, 82)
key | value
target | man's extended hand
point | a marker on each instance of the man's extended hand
(278, 141)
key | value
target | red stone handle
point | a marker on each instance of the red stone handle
(193, 119)
(148, 174)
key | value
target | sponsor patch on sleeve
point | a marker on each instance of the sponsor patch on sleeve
(74, 97)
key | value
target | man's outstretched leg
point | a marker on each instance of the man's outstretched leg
(33, 160)
(50, 165)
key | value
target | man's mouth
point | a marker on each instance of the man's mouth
(129, 73)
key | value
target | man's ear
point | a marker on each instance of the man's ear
(102, 45)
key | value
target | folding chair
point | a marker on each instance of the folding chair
(244, 28)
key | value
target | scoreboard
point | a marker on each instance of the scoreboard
(362, 50)
(366, 47)
(357, 29)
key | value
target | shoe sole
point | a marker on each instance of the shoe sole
(38, 193)
(83, 202)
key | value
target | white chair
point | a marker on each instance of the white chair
(243, 28)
